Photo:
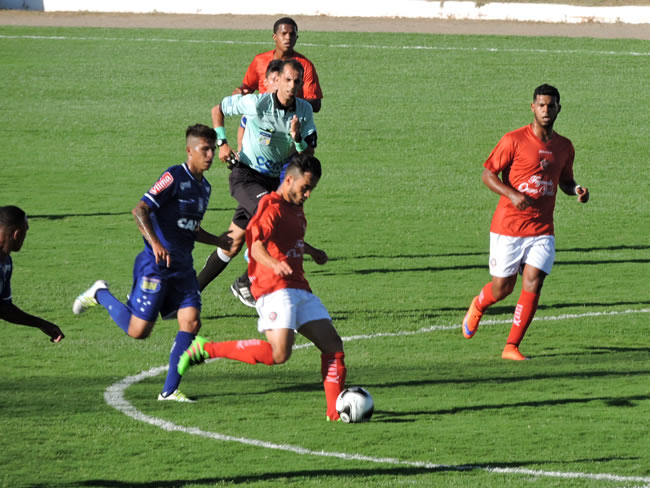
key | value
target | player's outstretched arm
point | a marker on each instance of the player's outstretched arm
(261, 255)
(319, 256)
(11, 313)
(224, 241)
(572, 188)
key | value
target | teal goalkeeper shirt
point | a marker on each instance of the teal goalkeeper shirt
(267, 142)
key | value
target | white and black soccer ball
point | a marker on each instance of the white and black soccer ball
(355, 404)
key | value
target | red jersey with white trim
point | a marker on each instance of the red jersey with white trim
(535, 168)
(256, 73)
(280, 226)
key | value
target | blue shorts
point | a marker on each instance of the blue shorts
(158, 290)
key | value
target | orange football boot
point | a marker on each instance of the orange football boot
(471, 320)
(511, 351)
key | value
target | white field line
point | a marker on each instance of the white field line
(336, 46)
(114, 396)
(484, 323)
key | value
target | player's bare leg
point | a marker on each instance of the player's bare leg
(139, 328)
(281, 341)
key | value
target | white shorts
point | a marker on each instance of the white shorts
(508, 254)
(289, 308)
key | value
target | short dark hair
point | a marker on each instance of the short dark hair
(287, 21)
(546, 89)
(12, 216)
(274, 66)
(301, 163)
(295, 65)
(201, 131)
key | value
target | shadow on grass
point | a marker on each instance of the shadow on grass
(485, 253)
(592, 351)
(586, 375)
(483, 266)
(584, 262)
(99, 214)
(329, 473)
(389, 417)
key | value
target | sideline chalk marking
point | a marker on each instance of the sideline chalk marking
(114, 396)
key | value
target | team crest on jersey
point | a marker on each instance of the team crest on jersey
(150, 285)
(265, 137)
(546, 159)
(164, 181)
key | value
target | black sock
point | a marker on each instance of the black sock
(213, 268)
(243, 279)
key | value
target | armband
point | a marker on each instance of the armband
(312, 139)
(221, 132)
(301, 146)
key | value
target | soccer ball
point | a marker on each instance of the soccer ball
(354, 405)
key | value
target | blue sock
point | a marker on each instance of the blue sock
(182, 342)
(119, 312)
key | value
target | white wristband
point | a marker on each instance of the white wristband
(575, 190)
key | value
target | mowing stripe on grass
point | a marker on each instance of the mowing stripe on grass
(114, 396)
(336, 46)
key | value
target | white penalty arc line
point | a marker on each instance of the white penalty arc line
(114, 396)
(334, 46)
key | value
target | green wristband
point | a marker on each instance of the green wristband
(301, 146)
(221, 132)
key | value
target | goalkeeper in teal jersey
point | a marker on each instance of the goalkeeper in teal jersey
(278, 125)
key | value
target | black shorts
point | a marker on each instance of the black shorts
(247, 186)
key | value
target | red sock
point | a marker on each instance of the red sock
(485, 298)
(333, 372)
(524, 313)
(250, 351)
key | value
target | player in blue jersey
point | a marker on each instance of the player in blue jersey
(13, 230)
(164, 281)
(278, 124)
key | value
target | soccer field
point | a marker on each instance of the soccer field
(91, 117)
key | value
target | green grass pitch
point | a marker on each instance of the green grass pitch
(91, 117)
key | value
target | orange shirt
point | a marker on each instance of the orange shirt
(256, 73)
(280, 227)
(532, 167)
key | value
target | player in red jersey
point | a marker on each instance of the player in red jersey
(533, 161)
(284, 300)
(285, 35)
